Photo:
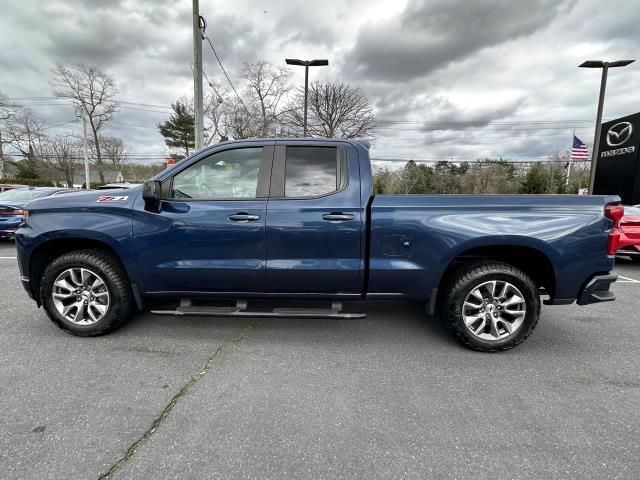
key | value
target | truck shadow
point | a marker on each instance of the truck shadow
(386, 321)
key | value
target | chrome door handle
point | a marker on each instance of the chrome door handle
(243, 217)
(337, 217)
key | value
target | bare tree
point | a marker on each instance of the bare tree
(240, 123)
(115, 152)
(24, 132)
(5, 114)
(215, 111)
(5, 107)
(93, 91)
(63, 154)
(267, 85)
(335, 110)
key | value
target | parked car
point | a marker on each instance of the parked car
(8, 186)
(111, 186)
(630, 233)
(12, 203)
(282, 220)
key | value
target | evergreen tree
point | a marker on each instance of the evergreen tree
(179, 130)
(536, 181)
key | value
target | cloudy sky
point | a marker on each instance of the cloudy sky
(449, 79)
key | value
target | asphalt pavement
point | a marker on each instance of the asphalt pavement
(389, 396)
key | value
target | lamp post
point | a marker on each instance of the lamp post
(603, 83)
(306, 64)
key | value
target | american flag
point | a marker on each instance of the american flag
(579, 151)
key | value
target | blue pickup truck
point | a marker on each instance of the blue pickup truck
(277, 227)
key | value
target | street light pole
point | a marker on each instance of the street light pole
(596, 140)
(603, 85)
(306, 64)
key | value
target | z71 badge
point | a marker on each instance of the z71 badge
(112, 198)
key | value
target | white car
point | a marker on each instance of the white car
(111, 186)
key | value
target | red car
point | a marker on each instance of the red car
(630, 233)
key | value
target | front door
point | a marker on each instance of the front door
(315, 222)
(210, 234)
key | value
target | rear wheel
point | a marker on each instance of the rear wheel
(490, 306)
(86, 293)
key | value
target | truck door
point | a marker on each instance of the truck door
(210, 234)
(315, 222)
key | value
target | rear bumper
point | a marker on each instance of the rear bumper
(8, 233)
(8, 227)
(597, 290)
(630, 250)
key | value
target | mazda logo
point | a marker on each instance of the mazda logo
(619, 133)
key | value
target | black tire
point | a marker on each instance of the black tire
(106, 265)
(470, 277)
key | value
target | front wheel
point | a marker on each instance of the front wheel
(490, 306)
(86, 293)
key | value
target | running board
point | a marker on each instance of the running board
(241, 310)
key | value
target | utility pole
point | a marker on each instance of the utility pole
(197, 77)
(87, 178)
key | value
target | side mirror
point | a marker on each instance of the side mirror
(152, 195)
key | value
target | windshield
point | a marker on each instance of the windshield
(22, 194)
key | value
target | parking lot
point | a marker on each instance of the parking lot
(390, 396)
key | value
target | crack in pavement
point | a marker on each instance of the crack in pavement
(167, 409)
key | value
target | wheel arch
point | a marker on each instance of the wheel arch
(50, 249)
(531, 260)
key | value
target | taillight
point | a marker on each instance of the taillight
(12, 212)
(614, 213)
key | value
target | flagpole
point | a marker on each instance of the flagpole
(569, 168)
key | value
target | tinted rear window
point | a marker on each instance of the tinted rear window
(310, 171)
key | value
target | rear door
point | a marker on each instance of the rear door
(315, 222)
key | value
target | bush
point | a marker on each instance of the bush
(32, 182)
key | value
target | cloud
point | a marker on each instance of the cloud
(429, 34)
(448, 79)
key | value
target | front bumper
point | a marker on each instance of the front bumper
(26, 283)
(597, 290)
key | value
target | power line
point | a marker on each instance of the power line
(126, 102)
(481, 122)
(473, 161)
(419, 129)
(58, 124)
(206, 37)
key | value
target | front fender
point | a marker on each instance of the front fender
(111, 229)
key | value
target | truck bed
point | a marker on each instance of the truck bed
(414, 238)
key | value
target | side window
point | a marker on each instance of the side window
(230, 174)
(311, 171)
